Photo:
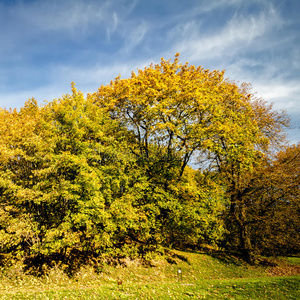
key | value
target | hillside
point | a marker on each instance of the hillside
(203, 276)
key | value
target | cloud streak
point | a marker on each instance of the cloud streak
(239, 33)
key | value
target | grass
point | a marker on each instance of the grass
(203, 276)
(294, 260)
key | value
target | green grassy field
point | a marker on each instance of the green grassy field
(201, 276)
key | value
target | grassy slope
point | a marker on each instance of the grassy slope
(203, 277)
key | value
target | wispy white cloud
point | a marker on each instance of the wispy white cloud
(239, 33)
(136, 36)
(284, 95)
(208, 6)
(111, 29)
(56, 15)
(74, 18)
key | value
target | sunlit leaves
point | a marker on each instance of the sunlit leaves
(114, 173)
(184, 109)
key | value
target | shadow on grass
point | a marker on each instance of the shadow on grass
(234, 257)
(173, 257)
(223, 256)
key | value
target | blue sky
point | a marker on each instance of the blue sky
(47, 44)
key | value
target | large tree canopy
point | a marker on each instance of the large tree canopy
(71, 188)
(180, 109)
(177, 112)
(174, 156)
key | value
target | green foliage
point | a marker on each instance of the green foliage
(109, 175)
(72, 190)
(66, 180)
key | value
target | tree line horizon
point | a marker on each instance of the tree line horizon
(174, 157)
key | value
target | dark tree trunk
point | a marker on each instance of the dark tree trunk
(238, 215)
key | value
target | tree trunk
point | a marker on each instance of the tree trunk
(238, 214)
(245, 243)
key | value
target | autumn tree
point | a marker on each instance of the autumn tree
(271, 126)
(273, 204)
(19, 146)
(72, 187)
(177, 112)
(67, 183)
